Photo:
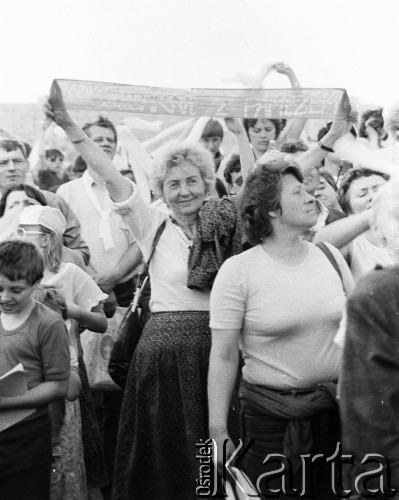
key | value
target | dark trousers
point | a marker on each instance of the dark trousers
(25, 460)
(112, 402)
(268, 435)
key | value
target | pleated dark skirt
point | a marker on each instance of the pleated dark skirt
(164, 411)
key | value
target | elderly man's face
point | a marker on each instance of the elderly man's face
(13, 168)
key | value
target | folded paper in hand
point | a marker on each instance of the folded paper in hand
(13, 383)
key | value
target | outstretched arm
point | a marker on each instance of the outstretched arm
(118, 186)
(247, 159)
(313, 156)
(341, 232)
(294, 130)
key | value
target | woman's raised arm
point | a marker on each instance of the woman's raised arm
(294, 129)
(118, 186)
(341, 232)
(247, 159)
(313, 156)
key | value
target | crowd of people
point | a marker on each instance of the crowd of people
(268, 322)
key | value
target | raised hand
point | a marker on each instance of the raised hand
(55, 108)
(342, 127)
(234, 124)
(282, 68)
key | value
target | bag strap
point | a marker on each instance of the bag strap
(327, 252)
(154, 244)
(144, 272)
(142, 277)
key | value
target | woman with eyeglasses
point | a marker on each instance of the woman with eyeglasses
(16, 199)
(352, 235)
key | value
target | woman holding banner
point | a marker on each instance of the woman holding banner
(164, 412)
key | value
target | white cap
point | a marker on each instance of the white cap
(48, 217)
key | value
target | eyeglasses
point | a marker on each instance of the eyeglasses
(22, 232)
(53, 159)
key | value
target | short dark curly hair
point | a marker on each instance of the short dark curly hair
(251, 122)
(262, 195)
(232, 165)
(21, 260)
(352, 175)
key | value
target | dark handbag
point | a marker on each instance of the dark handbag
(131, 325)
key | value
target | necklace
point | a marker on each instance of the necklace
(190, 234)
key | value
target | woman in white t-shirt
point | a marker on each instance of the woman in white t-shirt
(280, 302)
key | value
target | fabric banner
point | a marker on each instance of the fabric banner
(245, 103)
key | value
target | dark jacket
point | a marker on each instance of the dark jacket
(369, 392)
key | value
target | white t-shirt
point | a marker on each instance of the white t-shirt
(168, 265)
(288, 315)
(365, 256)
(77, 286)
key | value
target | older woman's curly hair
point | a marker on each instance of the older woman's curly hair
(262, 194)
(176, 154)
(352, 175)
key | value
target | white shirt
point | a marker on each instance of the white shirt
(168, 265)
(93, 209)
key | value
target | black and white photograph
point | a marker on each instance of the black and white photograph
(199, 249)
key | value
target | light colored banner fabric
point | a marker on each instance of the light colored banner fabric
(245, 103)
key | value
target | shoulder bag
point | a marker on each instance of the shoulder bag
(131, 326)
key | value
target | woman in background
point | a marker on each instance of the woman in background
(352, 235)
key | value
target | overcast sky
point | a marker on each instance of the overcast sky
(199, 43)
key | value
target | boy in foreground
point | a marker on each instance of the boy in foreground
(34, 335)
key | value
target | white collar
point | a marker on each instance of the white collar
(93, 179)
